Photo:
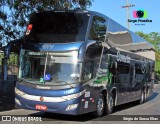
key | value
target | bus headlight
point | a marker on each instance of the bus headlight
(73, 96)
(71, 107)
(18, 92)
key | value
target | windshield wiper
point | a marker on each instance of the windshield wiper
(65, 82)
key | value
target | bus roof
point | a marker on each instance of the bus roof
(134, 37)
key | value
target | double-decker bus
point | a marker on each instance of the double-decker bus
(76, 62)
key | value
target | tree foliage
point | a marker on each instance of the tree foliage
(14, 14)
(154, 38)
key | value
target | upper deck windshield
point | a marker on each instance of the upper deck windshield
(48, 68)
(59, 27)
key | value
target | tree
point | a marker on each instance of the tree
(154, 38)
(14, 14)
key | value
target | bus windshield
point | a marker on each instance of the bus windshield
(48, 68)
(59, 27)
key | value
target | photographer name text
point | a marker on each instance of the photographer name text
(140, 119)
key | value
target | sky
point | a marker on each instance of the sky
(114, 10)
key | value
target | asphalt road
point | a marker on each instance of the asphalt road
(151, 108)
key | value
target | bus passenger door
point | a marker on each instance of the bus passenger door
(130, 88)
(139, 80)
(122, 82)
(151, 80)
(88, 102)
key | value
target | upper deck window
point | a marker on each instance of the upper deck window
(59, 27)
(98, 29)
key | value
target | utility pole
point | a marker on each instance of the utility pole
(127, 11)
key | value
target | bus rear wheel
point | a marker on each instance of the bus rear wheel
(143, 97)
(99, 106)
(109, 104)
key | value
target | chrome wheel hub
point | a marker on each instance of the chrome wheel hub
(110, 104)
(100, 105)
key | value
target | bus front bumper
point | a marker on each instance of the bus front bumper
(70, 107)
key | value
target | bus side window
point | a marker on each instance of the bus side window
(112, 72)
(131, 73)
(95, 71)
(139, 76)
(87, 71)
(103, 71)
(98, 29)
(149, 72)
(123, 73)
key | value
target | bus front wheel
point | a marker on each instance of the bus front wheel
(99, 106)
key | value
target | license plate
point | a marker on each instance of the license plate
(41, 107)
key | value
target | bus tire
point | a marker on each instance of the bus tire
(99, 106)
(109, 104)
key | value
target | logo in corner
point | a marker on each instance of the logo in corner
(140, 17)
(140, 14)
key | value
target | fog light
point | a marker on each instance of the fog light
(71, 107)
(17, 101)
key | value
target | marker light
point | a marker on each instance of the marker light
(29, 28)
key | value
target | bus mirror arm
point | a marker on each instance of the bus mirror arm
(106, 39)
